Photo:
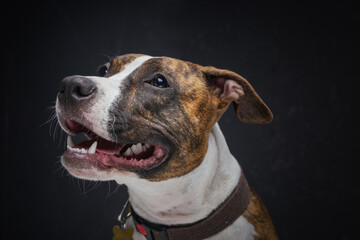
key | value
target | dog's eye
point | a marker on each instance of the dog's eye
(102, 71)
(160, 82)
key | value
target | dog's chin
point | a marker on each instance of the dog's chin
(98, 158)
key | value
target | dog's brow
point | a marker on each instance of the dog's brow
(130, 67)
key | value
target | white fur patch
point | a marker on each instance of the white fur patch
(194, 196)
(190, 197)
(108, 92)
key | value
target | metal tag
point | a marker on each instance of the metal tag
(121, 234)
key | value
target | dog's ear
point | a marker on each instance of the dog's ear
(233, 88)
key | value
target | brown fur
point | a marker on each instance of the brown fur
(249, 107)
(257, 214)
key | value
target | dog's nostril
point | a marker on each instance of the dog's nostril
(84, 90)
(81, 87)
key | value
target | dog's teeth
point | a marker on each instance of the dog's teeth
(92, 149)
(147, 146)
(70, 142)
(136, 148)
(83, 150)
(76, 150)
(128, 152)
(144, 148)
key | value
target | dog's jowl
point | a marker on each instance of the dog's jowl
(152, 125)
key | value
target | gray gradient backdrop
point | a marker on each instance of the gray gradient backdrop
(303, 60)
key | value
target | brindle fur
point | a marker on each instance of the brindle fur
(191, 105)
(257, 214)
(146, 113)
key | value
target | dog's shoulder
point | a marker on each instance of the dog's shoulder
(257, 215)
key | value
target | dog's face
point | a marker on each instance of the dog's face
(148, 116)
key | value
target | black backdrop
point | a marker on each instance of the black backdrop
(301, 58)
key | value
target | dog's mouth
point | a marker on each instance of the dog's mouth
(104, 154)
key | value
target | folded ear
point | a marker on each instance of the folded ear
(234, 88)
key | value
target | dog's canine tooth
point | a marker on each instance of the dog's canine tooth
(92, 149)
(69, 142)
(128, 152)
(136, 148)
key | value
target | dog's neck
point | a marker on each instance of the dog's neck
(193, 196)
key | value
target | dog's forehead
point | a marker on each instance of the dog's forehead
(173, 67)
(118, 63)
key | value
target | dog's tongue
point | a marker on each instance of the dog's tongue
(74, 126)
(103, 146)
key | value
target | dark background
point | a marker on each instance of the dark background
(303, 60)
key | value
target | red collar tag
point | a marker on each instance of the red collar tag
(141, 229)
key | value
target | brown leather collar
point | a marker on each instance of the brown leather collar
(222, 217)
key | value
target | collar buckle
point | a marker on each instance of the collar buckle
(124, 215)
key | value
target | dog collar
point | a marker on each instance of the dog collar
(222, 217)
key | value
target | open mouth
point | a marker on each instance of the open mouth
(124, 156)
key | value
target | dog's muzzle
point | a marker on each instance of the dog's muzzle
(76, 97)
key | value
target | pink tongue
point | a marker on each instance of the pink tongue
(103, 146)
(73, 126)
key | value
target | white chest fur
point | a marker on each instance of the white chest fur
(194, 196)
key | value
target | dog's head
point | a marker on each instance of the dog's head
(148, 117)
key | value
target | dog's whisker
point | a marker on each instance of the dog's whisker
(52, 114)
(107, 56)
(109, 187)
(62, 137)
(51, 122)
(99, 184)
(62, 172)
(80, 186)
(58, 168)
(55, 130)
(51, 118)
(86, 185)
(95, 185)
(116, 188)
(54, 119)
(71, 179)
(84, 182)
(112, 126)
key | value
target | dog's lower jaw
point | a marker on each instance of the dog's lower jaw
(194, 196)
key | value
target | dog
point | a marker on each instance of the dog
(152, 125)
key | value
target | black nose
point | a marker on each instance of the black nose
(74, 89)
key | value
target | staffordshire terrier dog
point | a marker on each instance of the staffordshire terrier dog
(152, 125)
